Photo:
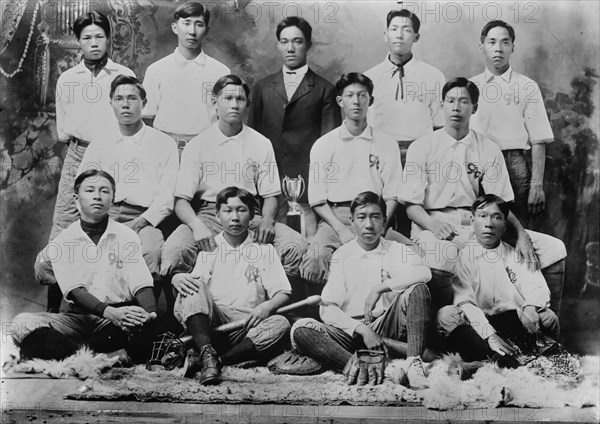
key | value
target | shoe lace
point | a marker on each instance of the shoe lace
(208, 358)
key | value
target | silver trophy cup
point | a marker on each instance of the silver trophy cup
(292, 189)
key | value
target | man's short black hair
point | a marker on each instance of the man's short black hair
(244, 195)
(368, 198)
(490, 199)
(91, 18)
(353, 78)
(404, 13)
(230, 80)
(493, 24)
(462, 82)
(191, 8)
(94, 172)
(298, 22)
(127, 80)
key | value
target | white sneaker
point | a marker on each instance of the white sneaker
(417, 377)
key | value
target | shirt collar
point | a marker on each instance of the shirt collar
(111, 66)
(476, 250)
(300, 72)
(358, 252)
(345, 135)
(181, 60)
(221, 138)
(222, 243)
(136, 138)
(506, 76)
(391, 67)
(111, 229)
(467, 139)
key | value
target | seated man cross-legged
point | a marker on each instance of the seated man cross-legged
(99, 267)
(496, 297)
(239, 280)
(376, 288)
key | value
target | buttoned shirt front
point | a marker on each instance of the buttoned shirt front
(212, 161)
(343, 165)
(292, 79)
(113, 271)
(354, 272)
(416, 112)
(83, 102)
(442, 172)
(180, 91)
(511, 111)
(491, 281)
(144, 167)
(242, 277)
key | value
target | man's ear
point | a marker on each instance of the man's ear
(417, 37)
(76, 200)
(339, 101)
(213, 99)
(475, 106)
(371, 101)
(480, 47)
(472, 219)
(143, 103)
(308, 45)
(174, 27)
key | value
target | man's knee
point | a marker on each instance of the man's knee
(549, 323)
(303, 323)
(178, 253)
(269, 332)
(292, 252)
(43, 271)
(23, 324)
(198, 303)
(449, 317)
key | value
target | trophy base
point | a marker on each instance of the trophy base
(295, 220)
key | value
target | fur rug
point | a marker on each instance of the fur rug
(536, 385)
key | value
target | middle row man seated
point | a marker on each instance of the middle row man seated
(227, 154)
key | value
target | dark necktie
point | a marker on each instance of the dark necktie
(399, 87)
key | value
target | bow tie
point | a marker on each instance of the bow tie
(290, 72)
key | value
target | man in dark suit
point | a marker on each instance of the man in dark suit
(293, 108)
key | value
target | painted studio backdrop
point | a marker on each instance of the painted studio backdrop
(557, 45)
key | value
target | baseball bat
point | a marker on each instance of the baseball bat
(236, 325)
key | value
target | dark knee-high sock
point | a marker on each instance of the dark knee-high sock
(320, 347)
(54, 298)
(198, 327)
(554, 275)
(241, 352)
(440, 287)
(417, 320)
(465, 341)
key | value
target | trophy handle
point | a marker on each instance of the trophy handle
(302, 185)
(283, 186)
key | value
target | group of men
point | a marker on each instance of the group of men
(407, 141)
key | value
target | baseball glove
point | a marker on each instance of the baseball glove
(365, 366)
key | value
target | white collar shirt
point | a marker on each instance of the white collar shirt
(343, 165)
(113, 270)
(511, 111)
(83, 102)
(442, 172)
(179, 92)
(292, 79)
(491, 281)
(355, 272)
(144, 166)
(212, 161)
(418, 107)
(242, 277)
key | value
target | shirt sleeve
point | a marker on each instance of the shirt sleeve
(332, 299)
(495, 179)
(320, 156)
(152, 87)
(465, 299)
(537, 123)
(61, 96)
(435, 106)
(268, 184)
(162, 205)
(391, 173)
(92, 159)
(190, 171)
(533, 287)
(414, 175)
(274, 278)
